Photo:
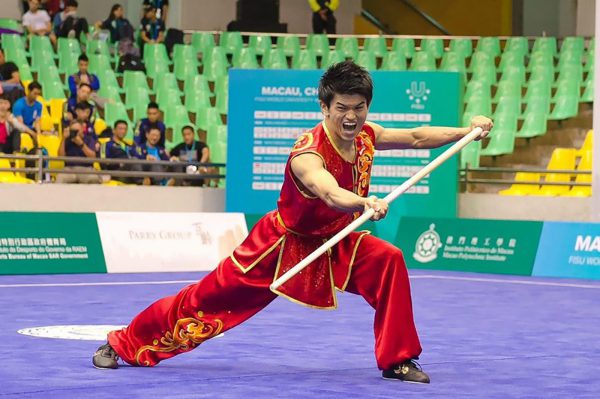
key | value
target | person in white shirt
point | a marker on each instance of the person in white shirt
(36, 21)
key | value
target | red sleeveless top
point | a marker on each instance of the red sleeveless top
(306, 214)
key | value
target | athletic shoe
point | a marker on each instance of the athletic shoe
(105, 357)
(409, 371)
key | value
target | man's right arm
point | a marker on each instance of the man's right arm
(309, 170)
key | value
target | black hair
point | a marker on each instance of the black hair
(119, 122)
(83, 105)
(345, 77)
(153, 105)
(151, 128)
(71, 3)
(114, 8)
(84, 85)
(83, 57)
(34, 85)
(188, 127)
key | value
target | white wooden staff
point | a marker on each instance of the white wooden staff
(401, 189)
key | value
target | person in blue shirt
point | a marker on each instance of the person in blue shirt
(83, 76)
(27, 109)
(83, 96)
(152, 120)
(162, 8)
(151, 150)
(76, 143)
(152, 29)
(116, 23)
(117, 148)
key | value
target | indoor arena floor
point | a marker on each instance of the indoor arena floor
(484, 336)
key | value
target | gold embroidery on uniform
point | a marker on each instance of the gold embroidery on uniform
(187, 334)
(303, 141)
(261, 257)
(365, 160)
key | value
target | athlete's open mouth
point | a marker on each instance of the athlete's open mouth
(349, 126)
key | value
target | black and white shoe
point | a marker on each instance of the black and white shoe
(105, 358)
(409, 371)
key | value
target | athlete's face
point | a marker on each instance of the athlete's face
(346, 114)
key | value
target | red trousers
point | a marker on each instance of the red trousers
(227, 297)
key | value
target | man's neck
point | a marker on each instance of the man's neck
(343, 145)
(29, 102)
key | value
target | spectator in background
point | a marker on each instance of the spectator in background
(190, 151)
(151, 150)
(68, 24)
(83, 76)
(10, 80)
(36, 21)
(28, 110)
(11, 128)
(119, 27)
(152, 121)
(53, 6)
(323, 20)
(162, 8)
(153, 29)
(75, 143)
(83, 115)
(117, 148)
(84, 93)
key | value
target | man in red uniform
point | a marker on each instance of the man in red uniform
(325, 187)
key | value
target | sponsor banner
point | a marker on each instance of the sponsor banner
(569, 250)
(487, 246)
(160, 242)
(48, 243)
(269, 109)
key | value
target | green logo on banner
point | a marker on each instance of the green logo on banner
(490, 246)
(49, 243)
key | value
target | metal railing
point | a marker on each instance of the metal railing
(465, 176)
(42, 162)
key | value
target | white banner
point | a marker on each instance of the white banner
(167, 242)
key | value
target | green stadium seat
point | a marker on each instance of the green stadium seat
(514, 73)
(423, 61)
(490, 45)
(195, 84)
(134, 79)
(40, 43)
(566, 59)
(511, 58)
(394, 61)
(49, 74)
(540, 59)
(483, 72)
(333, 57)
(566, 104)
(216, 64)
(25, 72)
(347, 46)
(184, 52)
(168, 97)
(185, 68)
(454, 61)
(245, 58)
(433, 46)
(545, 45)
(68, 46)
(98, 63)
(462, 46)
(261, 44)
(479, 105)
(155, 53)
(52, 89)
(9, 23)
(539, 104)
(541, 72)
(508, 105)
(95, 46)
(231, 41)
(517, 44)
(203, 42)
(291, 45)
(305, 59)
(196, 99)
(67, 62)
(405, 46)
(216, 134)
(367, 60)
(176, 114)
(570, 72)
(155, 70)
(588, 88)
(108, 78)
(222, 99)
(275, 59)
(40, 59)
(509, 88)
(318, 43)
(534, 124)
(502, 136)
(572, 44)
(109, 92)
(208, 117)
(376, 45)
(477, 89)
(114, 112)
(135, 95)
(470, 155)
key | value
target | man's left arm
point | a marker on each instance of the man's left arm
(426, 137)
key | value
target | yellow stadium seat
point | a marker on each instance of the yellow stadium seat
(51, 143)
(114, 183)
(10, 177)
(46, 124)
(587, 143)
(585, 164)
(25, 84)
(523, 189)
(56, 111)
(26, 145)
(100, 125)
(562, 159)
